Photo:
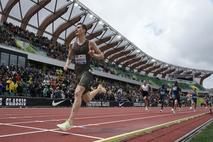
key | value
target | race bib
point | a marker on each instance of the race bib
(162, 92)
(175, 88)
(80, 59)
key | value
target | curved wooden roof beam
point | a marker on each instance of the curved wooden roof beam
(178, 71)
(103, 40)
(51, 18)
(32, 11)
(125, 58)
(132, 61)
(169, 71)
(159, 71)
(95, 34)
(152, 68)
(69, 38)
(145, 66)
(72, 35)
(115, 56)
(114, 51)
(187, 72)
(139, 64)
(10, 4)
(108, 46)
(65, 26)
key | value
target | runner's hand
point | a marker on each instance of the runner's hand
(91, 53)
(65, 67)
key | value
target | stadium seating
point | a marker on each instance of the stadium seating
(28, 41)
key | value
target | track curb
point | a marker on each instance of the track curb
(141, 132)
(194, 132)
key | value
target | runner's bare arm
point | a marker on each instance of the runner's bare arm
(94, 51)
(69, 57)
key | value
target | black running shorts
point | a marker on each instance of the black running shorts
(85, 79)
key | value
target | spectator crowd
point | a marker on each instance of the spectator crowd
(9, 33)
(53, 82)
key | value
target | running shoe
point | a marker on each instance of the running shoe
(173, 111)
(65, 126)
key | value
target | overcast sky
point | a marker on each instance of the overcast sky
(179, 32)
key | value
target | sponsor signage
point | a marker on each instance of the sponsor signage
(60, 102)
(13, 102)
(26, 101)
(105, 104)
(138, 104)
(98, 104)
(54, 103)
(109, 104)
(47, 102)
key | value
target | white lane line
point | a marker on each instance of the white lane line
(40, 116)
(12, 117)
(20, 134)
(24, 117)
(124, 120)
(97, 124)
(28, 127)
(45, 115)
(81, 118)
(94, 124)
(75, 134)
(56, 130)
(39, 121)
(132, 119)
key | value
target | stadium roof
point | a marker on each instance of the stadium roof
(56, 19)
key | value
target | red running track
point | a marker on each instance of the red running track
(39, 124)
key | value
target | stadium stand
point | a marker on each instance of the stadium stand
(32, 44)
(125, 67)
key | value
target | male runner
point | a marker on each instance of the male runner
(83, 51)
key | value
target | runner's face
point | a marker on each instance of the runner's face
(79, 30)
